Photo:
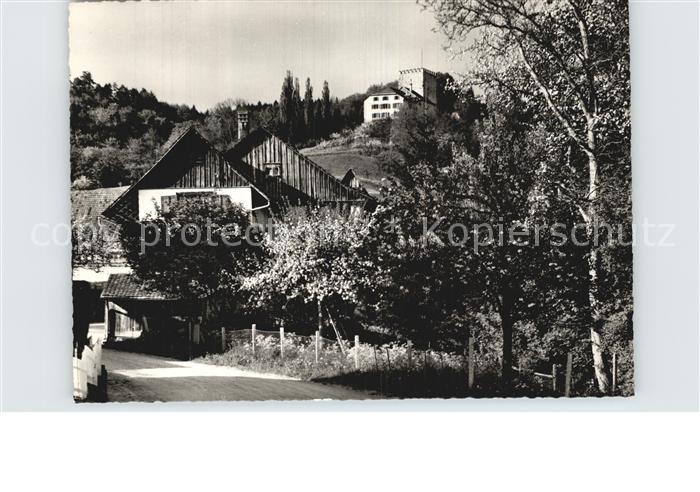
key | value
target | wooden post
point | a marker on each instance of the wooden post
(567, 380)
(189, 338)
(614, 373)
(320, 318)
(223, 339)
(376, 365)
(281, 342)
(196, 330)
(425, 372)
(316, 345)
(252, 337)
(470, 374)
(554, 378)
(357, 352)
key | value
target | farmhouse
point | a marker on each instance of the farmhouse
(261, 173)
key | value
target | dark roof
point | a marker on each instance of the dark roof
(383, 92)
(129, 286)
(347, 179)
(89, 204)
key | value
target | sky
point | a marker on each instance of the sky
(202, 52)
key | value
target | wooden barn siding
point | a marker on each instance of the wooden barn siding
(210, 170)
(297, 172)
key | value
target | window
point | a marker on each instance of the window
(375, 99)
(375, 116)
(274, 169)
(396, 105)
(395, 98)
(385, 106)
(375, 106)
(385, 98)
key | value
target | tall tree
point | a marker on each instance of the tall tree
(287, 109)
(309, 109)
(298, 126)
(572, 56)
(326, 109)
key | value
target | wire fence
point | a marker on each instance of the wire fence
(394, 366)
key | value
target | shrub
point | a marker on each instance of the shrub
(379, 129)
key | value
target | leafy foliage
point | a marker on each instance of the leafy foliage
(198, 249)
(313, 257)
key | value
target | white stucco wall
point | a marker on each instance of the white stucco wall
(149, 198)
(393, 100)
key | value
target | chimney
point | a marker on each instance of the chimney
(242, 123)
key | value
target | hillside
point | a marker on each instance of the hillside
(338, 160)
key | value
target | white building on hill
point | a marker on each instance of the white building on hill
(415, 85)
(383, 104)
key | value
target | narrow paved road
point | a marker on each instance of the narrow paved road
(141, 377)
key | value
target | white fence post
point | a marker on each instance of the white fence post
(252, 337)
(316, 345)
(223, 339)
(409, 354)
(554, 378)
(614, 373)
(281, 342)
(357, 352)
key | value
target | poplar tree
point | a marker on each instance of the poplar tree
(286, 106)
(309, 109)
(326, 109)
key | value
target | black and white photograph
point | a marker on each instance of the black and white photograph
(351, 200)
(350, 245)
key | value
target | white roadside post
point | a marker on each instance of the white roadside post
(252, 337)
(282, 342)
(316, 342)
(357, 352)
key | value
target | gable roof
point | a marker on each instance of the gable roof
(129, 286)
(123, 207)
(349, 176)
(89, 204)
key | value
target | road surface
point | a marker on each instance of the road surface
(141, 377)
